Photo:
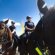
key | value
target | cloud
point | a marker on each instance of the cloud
(9, 23)
(17, 24)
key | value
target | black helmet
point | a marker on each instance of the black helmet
(12, 22)
(28, 17)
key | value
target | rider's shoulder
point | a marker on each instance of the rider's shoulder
(10, 26)
(26, 22)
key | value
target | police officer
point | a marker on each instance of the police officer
(12, 27)
(15, 37)
(29, 28)
(29, 25)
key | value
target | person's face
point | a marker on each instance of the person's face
(29, 20)
(12, 24)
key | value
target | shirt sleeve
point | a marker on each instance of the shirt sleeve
(25, 24)
(14, 27)
(10, 27)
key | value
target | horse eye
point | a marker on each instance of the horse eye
(2, 28)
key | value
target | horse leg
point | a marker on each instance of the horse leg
(22, 51)
(5, 53)
(52, 50)
(13, 52)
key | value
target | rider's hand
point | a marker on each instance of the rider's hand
(29, 28)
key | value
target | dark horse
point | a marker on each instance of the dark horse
(44, 31)
(23, 45)
(6, 40)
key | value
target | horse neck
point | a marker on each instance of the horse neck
(6, 34)
(4, 38)
(9, 33)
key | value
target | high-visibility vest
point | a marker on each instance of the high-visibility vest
(38, 51)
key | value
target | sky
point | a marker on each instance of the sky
(17, 10)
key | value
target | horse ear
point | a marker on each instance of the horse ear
(6, 21)
(42, 7)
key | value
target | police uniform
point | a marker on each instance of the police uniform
(29, 25)
(12, 28)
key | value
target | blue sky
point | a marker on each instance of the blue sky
(17, 10)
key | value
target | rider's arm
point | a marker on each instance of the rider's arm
(29, 28)
(33, 27)
(13, 31)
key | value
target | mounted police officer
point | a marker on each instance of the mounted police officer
(29, 28)
(12, 27)
(15, 37)
(29, 25)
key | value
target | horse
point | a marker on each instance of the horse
(7, 41)
(23, 44)
(44, 31)
(49, 27)
(16, 42)
(5, 36)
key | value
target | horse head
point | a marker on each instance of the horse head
(4, 28)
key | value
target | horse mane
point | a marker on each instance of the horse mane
(9, 33)
(50, 12)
